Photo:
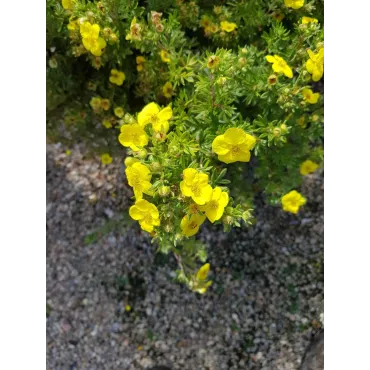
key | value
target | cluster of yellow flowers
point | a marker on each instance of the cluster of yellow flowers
(140, 60)
(211, 27)
(90, 38)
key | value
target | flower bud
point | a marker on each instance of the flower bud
(155, 167)
(276, 131)
(284, 128)
(244, 50)
(128, 119)
(142, 153)
(168, 228)
(107, 32)
(90, 16)
(213, 61)
(179, 237)
(227, 220)
(242, 61)
(113, 37)
(221, 81)
(156, 17)
(319, 45)
(163, 191)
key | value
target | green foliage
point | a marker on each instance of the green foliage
(206, 61)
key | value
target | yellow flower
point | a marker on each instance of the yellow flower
(214, 209)
(95, 103)
(292, 201)
(116, 77)
(233, 146)
(306, 20)
(310, 96)
(139, 67)
(107, 123)
(205, 21)
(91, 39)
(133, 136)
(190, 225)
(68, 152)
(105, 104)
(67, 4)
(200, 285)
(140, 59)
(139, 176)
(195, 185)
(118, 111)
(129, 161)
(315, 65)
(167, 90)
(228, 26)
(165, 56)
(127, 308)
(106, 158)
(203, 272)
(308, 167)
(279, 65)
(146, 213)
(294, 4)
(158, 118)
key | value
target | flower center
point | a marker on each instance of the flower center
(154, 118)
(196, 190)
(192, 225)
(213, 204)
(134, 136)
(235, 149)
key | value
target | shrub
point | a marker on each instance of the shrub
(213, 102)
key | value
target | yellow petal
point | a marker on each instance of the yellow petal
(270, 59)
(165, 114)
(234, 135)
(220, 146)
(145, 116)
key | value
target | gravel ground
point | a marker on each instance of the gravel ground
(261, 312)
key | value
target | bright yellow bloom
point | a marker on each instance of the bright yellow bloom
(233, 146)
(129, 161)
(139, 67)
(127, 308)
(190, 225)
(214, 209)
(146, 213)
(167, 89)
(292, 201)
(116, 77)
(315, 65)
(308, 167)
(105, 104)
(306, 20)
(158, 118)
(294, 4)
(67, 4)
(165, 56)
(195, 185)
(118, 111)
(279, 65)
(140, 59)
(309, 96)
(203, 272)
(68, 152)
(200, 285)
(228, 26)
(133, 136)
(106, 158)
(106, 123)
(139, 176)
(91, 39)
